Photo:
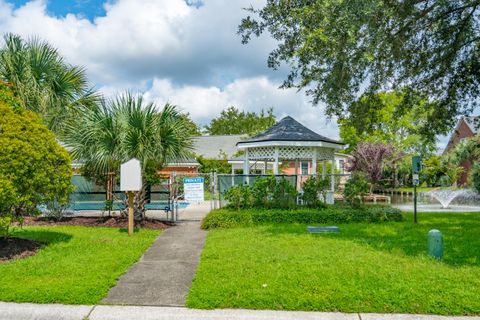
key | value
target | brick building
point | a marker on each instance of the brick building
(467, 127)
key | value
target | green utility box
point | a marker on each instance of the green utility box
(435, 244)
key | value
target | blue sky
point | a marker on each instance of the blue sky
(60, 8)
(186, 52)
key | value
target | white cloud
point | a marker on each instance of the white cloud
(173, 52)
(139, 40)
(250, 94)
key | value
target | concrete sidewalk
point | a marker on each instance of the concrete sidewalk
(163, 276)
(26, 311)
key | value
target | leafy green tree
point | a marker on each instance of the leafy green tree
(337, 49)
(234, 121)
(382, 118)
(432, 170)
(194, 129)
(467, 150)
(34, 168)
(127, 127)
(43, 81)
(211, 165)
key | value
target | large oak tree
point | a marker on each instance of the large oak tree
(338, 49)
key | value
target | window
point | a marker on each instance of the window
(304, 168)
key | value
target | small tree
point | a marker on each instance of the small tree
(355, 189)
(234, 121)
(313, 189)
(34, 168)
(370, 159)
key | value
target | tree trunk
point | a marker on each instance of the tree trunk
(395, 177)
(139, 204)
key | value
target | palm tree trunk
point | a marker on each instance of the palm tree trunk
(139, 206)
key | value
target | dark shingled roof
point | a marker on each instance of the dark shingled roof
(289, 129)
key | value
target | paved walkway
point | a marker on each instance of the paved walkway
(163, 276)
(27, 311)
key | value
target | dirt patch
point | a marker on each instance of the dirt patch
(94, 222)
(15, 248)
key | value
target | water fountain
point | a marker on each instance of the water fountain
(448, 200)
(446, 196)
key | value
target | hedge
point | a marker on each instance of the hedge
(229, 218)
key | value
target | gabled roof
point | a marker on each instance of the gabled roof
(473, 123)
(289, 129)
(215, 147)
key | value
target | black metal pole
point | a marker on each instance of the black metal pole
(415, 203)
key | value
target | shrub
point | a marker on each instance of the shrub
(239, 197)
(226, 218)
(284, 194)
(262, 191)
(267, 192)
(34, 168)
(55, 210)
(313, 189)
(475, 176)
(355, 189)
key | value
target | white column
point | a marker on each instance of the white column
(296, 175)
(275, 164)
(265, 166)
(314, 162)
(246, 163)
(333, 174)
(324, 169)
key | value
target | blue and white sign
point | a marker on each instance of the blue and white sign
(193, 189)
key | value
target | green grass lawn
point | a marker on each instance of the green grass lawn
(365, 268)
(77, 265)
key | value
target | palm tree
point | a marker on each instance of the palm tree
(43, 81)
(126, 127)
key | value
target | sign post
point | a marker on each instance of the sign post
(416, 168)
(130, 182)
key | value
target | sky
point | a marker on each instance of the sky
(185, 52)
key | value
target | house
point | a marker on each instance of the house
(466, 127)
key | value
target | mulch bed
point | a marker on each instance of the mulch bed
(94, 222)
(15, 248)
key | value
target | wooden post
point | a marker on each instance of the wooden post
(131, 196)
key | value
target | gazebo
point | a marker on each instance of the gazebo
(289, 140)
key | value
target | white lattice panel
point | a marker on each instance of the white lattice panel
(261, 153)
(325, 153)
(292, 153)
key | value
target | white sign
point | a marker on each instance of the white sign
(193, 189)
(415, 179)
(131, 176)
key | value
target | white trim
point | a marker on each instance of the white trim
(246, 145)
